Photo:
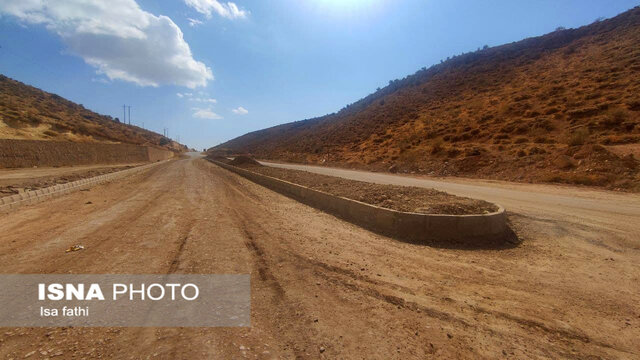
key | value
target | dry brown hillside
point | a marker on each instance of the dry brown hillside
(28, 113)
(563, 107)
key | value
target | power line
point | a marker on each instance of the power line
(125, 109)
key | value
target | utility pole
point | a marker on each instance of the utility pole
(129, 114)
(124, 114)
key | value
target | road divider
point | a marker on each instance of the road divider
(39, 195)
(476, 230)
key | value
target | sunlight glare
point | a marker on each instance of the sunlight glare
(347, 5)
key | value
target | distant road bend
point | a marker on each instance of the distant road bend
(325, 288)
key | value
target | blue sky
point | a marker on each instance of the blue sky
(248, 65)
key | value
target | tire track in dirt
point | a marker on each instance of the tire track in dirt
(296, 334)
(279, 297)
(285, 255)
(560, 334)
(263, 268)
(569, 337)
(176, 259)
(322, 287)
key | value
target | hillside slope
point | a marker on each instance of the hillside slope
(563, 107)
(28, 113)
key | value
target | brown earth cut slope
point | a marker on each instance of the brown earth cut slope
(563, 107)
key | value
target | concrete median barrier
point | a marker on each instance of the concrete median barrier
(433, 229)
(36, 196)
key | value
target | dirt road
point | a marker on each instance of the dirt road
(323, 288)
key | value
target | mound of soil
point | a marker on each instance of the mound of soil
(219, 158)
(243, 161)
(400, 198)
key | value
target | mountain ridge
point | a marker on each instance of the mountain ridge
(562, 107)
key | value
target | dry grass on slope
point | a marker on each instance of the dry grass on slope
(29, 113)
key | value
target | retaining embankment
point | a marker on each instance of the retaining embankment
(433, 229)
(154, 154)
(36, 196)
(30, 153)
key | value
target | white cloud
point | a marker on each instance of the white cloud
(205, 100)
(194, 22)
(205, 114)
(180, 95)
(228, 10)
(118, 38)
(240, 111)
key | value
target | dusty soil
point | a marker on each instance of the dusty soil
(17, 181)
(323, 288)
(401, 198)
(626, 150)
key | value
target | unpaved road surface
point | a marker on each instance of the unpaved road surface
(321, 287)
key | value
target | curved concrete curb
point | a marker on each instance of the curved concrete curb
(36, 196)
(433, 229)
